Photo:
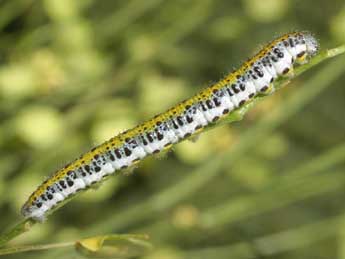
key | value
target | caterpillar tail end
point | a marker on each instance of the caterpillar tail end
(36, 215)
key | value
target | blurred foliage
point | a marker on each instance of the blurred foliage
(75, 73)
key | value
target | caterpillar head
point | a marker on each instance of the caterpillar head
(311, 44)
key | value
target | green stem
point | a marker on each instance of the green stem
(17, 230)
(91, 244)
(21, 249)
(25, 225)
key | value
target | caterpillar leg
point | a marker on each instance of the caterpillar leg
(302, 58)
(164, 152)
(95, 186)
(167, 147)
(289, 72)
(268, 90)
(194, 138)
(129, 170)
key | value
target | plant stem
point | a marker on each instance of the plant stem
(21, 249)
(238, 114)
(17, 230)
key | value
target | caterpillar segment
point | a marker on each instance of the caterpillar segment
(186, 119)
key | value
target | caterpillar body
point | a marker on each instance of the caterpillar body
(256, 76)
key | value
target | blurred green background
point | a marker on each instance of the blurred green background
(75, 73)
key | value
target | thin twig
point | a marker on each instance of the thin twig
(238, 114)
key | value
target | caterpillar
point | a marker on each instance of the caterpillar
(190, 117)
